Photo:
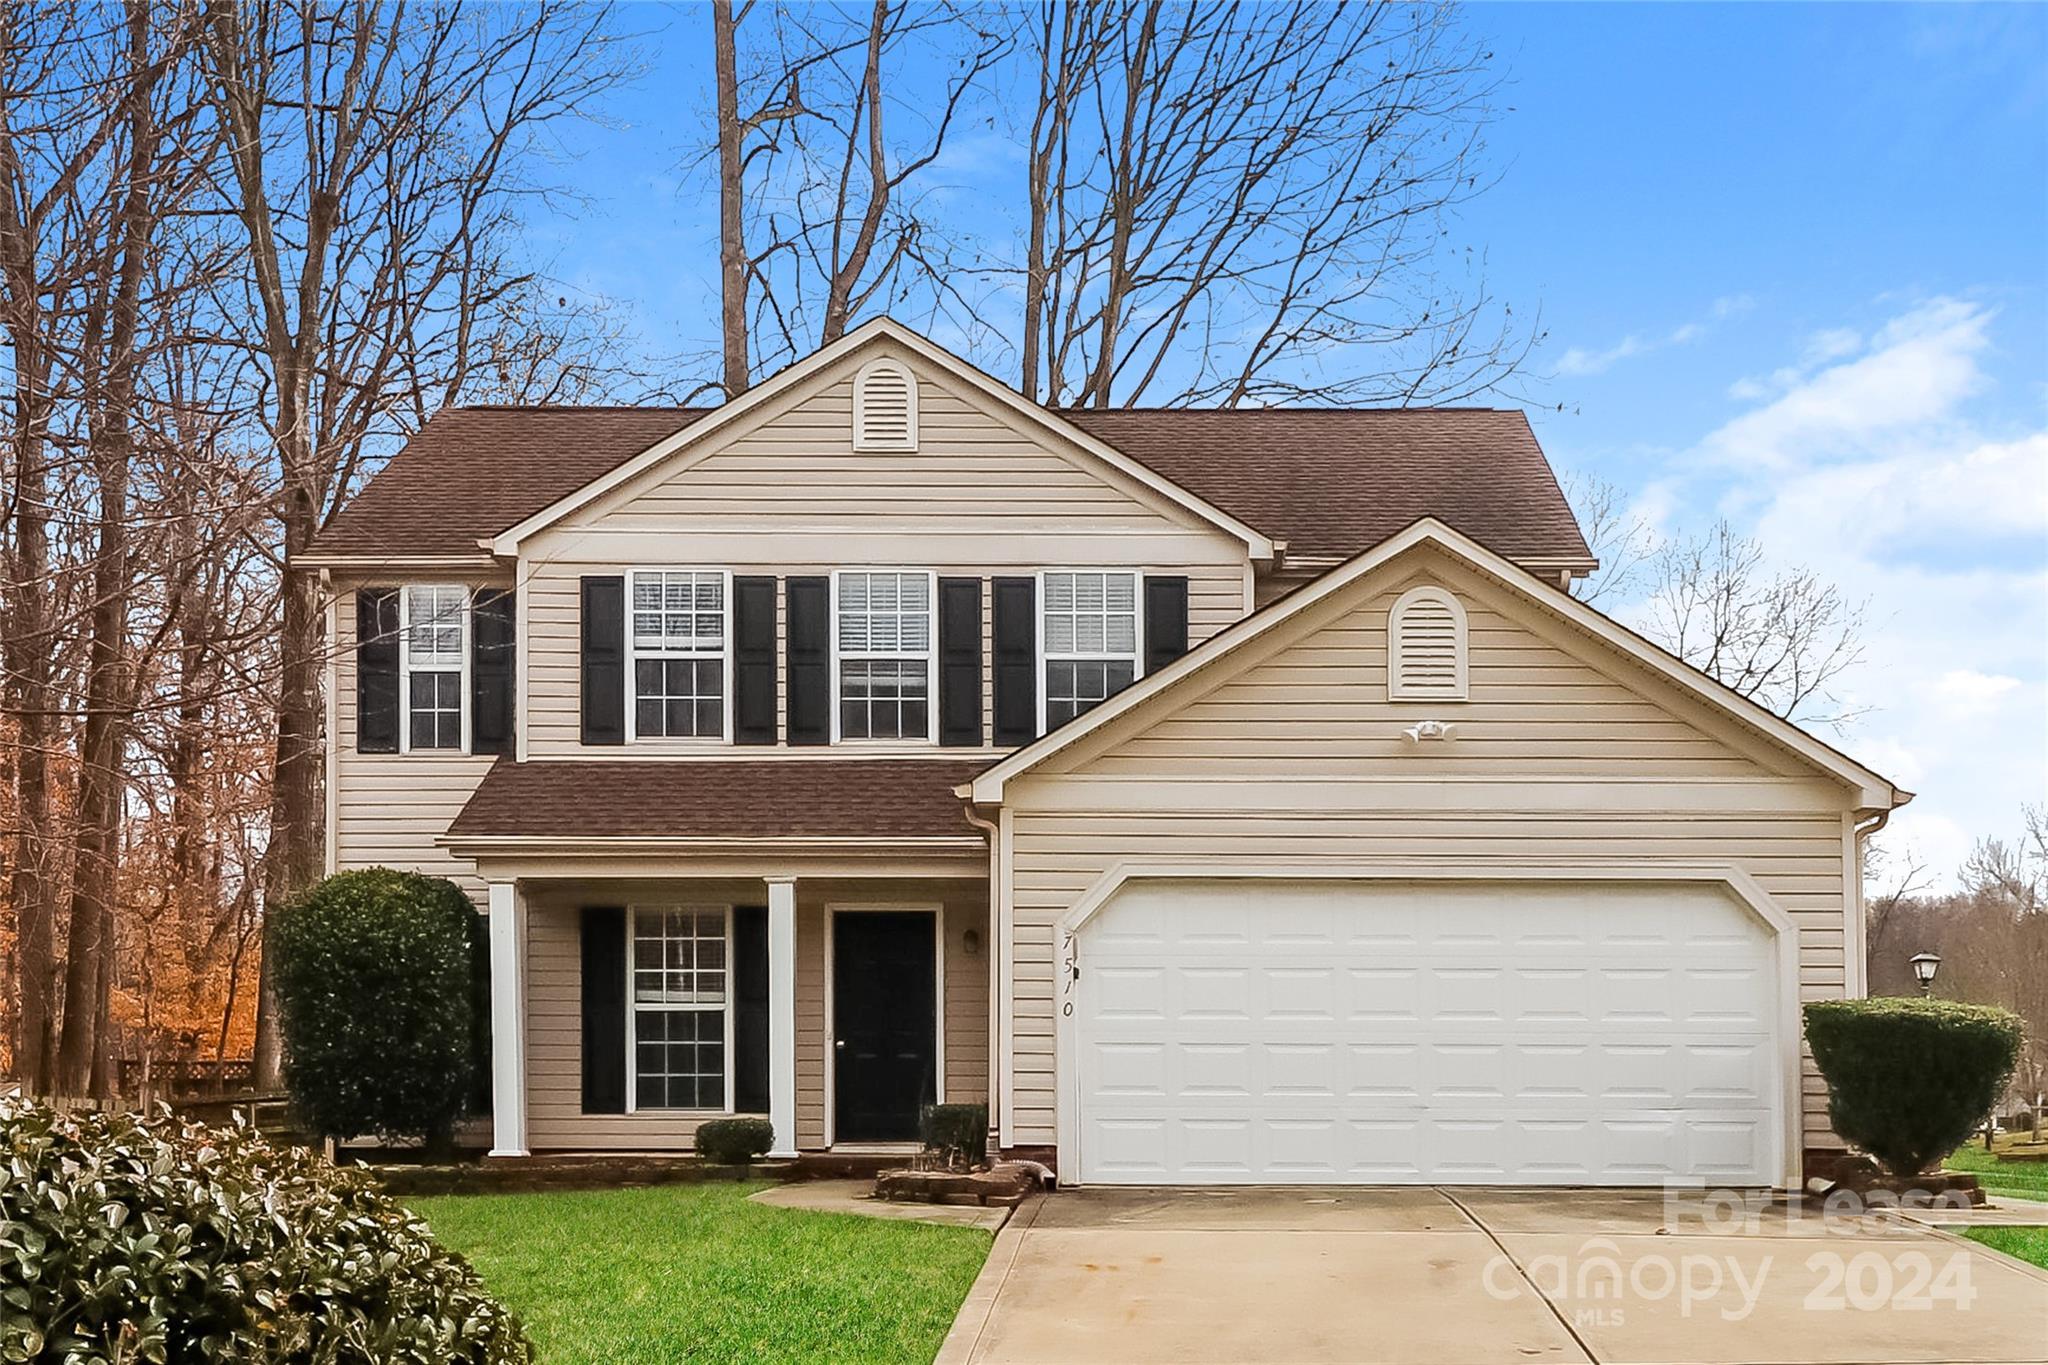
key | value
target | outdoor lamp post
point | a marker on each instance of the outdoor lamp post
(1925, 965)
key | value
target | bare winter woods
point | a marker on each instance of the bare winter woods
(246, 248)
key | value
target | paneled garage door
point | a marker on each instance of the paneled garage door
(1251, 1031)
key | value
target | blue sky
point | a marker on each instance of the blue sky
(1793, 265)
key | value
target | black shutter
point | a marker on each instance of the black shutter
(604, 1010)
(960, 662)
(753, 660)
(1166, 620)
(750, 1010)
(490, 670)
(604, 660)
(376, 670)
(1016, 671)
(809, 674)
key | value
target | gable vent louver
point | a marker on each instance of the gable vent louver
(884, 407)
(1426, 647)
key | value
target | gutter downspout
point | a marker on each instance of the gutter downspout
(1863, 832)
(993, 946)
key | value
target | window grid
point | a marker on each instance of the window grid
(1089, 633)
(883, 637)
(431, 631)
(678, 968)
(677, 623)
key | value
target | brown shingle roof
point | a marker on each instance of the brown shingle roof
(882, 798)
(1330, 482)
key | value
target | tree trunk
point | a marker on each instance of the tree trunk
(732, 242)
(297, 815)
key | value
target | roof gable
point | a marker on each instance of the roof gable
(1547, 626)
(796, 464)
(843, 357)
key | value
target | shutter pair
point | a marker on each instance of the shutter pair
(379, 708)
(604, 1009)
(1016, 646)
(808, 668)
(604, 659)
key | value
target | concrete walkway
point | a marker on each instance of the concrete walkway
(1469, 1276)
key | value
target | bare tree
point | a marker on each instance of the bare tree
(1618, 537)
(1235, 204)
(2015, 871)
(1778, 636)
(820, 160)
(377, 156)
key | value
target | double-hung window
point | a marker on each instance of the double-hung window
(679, 647)
(677, 961)
(433, 627)
(1089, 634)
(883, 640)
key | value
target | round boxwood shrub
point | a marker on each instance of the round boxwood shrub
(1909, 1080)
(378, 992)
(124, 1239)
(734, 1142)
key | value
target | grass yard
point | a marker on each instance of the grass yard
(2029, 1244)
(2020, 1179)
(697, 1273)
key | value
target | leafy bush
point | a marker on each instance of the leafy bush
(958, 1132)
(1909, 1080)
(124, 1239)
(376, 980)
(734, 1142)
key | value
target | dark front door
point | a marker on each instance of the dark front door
(884, 1023)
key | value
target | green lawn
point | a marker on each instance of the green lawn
(697, 1273)
(2029, 1244)
(2020, 1179)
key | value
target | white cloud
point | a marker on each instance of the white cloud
(1866, 461)
(1579, 360)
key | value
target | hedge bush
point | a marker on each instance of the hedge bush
(734, 1142)
(958, 1132)
(124, 1239)
(378, 990)
(1909, 1080)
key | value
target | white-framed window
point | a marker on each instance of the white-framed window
(679, 1023)
(433, 661)
(882, 654)
(1426, 649)
(677, 623)
(1088, 633)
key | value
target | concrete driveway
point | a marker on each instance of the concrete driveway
(1468, 1276)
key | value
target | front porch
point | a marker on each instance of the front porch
(633, 1001)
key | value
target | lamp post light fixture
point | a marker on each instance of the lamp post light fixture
(1925, 965)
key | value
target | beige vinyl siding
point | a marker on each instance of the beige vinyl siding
(555, 1121)
(389, 808)
(554, 667)
(973, 463)
(1293, 755)
(784, 493)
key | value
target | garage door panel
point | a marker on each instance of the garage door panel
(1492, 1034)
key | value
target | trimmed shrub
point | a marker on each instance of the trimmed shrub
(376, 984)
(734, 1142)
(957, 1132)
(124, 1239)
(1910, 1080)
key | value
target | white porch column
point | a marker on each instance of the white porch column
(782, 1013)
(508, 1020)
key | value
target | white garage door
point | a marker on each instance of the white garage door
(1246, 1031)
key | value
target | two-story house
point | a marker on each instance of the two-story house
(1221, 796)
